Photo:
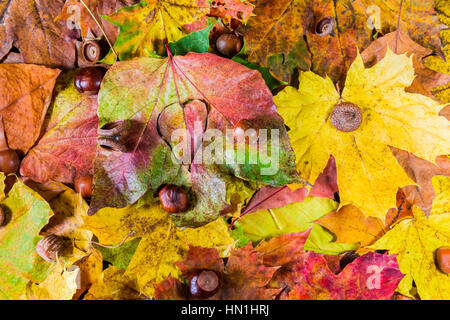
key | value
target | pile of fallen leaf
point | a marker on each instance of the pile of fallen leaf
(358, 209)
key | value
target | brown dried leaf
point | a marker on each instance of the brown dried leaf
(25, 94)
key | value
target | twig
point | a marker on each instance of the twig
(274, 219)
(398, 26)
(117, 246)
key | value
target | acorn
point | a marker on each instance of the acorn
(9, 159)
(346, 117)
(91, 51)
(173, 198)
(229, 44)
(89, 79)
(443, 259)
(110, 136)
(325, 27)
(204, 284)
(50, 247)
(84, 185)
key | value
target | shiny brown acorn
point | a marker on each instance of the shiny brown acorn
(84, 185)
(173, 198)
(9, 159)
(229, 44)
(204, 284)
(89, 79)
(51, 246)
(443, 259)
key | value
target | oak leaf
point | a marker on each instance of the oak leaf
(368, 174)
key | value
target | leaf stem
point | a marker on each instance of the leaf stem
(117, 246)
(101, 29)
(398, 26)
(274, 218)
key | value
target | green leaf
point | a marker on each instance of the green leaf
(120, 257)
(197, 41)
(321, 240)
(27, 213)
(238, 234)
(294, 217)
(271, 82)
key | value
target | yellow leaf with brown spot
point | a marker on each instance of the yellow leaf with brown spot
(368, 174)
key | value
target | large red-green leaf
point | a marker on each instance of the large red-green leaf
(156, 96)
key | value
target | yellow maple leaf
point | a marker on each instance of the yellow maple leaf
(162, 243)
(416, 240)
(350, 225)
(61, 284)
(113, 285)
(368, 174)
(441, 203)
